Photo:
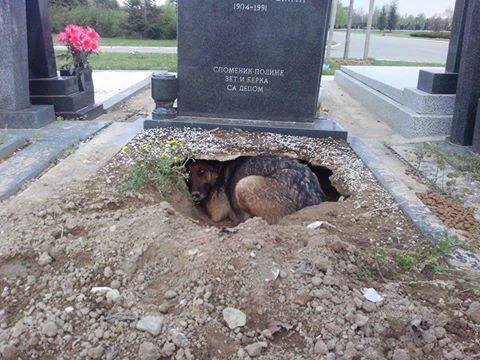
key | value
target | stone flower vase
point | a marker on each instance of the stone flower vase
(85, 80)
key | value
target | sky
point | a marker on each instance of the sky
(413, 7)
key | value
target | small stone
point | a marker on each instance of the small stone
(9, 352)
(168, 349)
(170, 294)
(473, 312)
(107, 272)
(115, 284)
(151, 324)
(49, 329)
(322, 263)
(148, 351)
(255, 349)
(361, 320)
(320, 348)
(317, 281)
(234, 318)
(401, 354)
(113, 296)
(164, 308)
(96, 353)
(44, 259)
(31, 280)
(369, 306)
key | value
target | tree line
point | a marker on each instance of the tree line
(388, 18)
(135, 18)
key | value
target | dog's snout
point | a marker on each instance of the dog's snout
(197, 196)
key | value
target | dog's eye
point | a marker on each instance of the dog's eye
(201, 172)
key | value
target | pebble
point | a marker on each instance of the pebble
(234, 317)
(113, 296)
(168, 349)
(96, 353)
(49, 329)
(401, 354)
(107, 272)
(151, 324)
(164, 308)
(473, 312)
(255, 349)
(170, 294)
(9, 352)
(148, 351)
(44, 259)
(322, 263)
(320, 348)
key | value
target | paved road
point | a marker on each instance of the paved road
(382, 48)
(393, 48)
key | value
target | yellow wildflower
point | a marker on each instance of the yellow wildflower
(142, 166)
(125, 148)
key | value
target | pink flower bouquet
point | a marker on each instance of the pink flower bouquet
(81, 42)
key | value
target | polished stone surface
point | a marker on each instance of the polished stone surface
(14, 93)
(437, 82)
(476, 133)
(456, 36)
(245, 60)
(468, 91)
(33, 117)
(41, 55)
(319, 128)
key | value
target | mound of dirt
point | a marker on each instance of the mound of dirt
(95, 274)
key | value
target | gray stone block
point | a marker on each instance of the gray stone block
(319, 128)
(14, 93)
(400, 118)
(425, 103)
(33, 117)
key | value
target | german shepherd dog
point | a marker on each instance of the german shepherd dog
(266, 186)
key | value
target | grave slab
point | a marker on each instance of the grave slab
(319, 128)
(399, 117)
(47, 145)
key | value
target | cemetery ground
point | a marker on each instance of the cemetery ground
(107, 264)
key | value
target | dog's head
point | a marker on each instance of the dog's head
(203, 177)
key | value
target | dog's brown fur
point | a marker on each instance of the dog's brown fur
(266, 186)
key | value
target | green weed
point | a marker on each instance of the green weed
(162, 166)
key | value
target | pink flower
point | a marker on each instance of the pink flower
(92, 34)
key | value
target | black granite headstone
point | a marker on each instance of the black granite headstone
(468, 91)
(251, 60)
(65, 93)
(15, 108)
(476, 133)
(446, 83)
(41, 55)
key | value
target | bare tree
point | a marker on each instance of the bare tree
(369, 29)
(349, 30)
(333, 18)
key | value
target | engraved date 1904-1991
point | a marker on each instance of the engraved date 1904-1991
(238, 6)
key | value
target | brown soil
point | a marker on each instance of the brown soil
(452, 214)
(147, 243)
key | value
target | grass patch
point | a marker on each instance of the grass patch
(432, 34)
(166, 169)
(404, 63)
(137, 61)
(131, 42)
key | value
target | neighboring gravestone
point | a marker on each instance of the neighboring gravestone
(64, 93)
(476, 133)
(468, 91)
(15, 108)
(446, 82)
(251, 60)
